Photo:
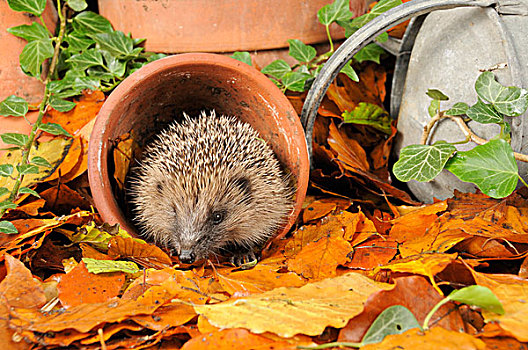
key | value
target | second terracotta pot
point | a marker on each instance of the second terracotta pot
(159, 92)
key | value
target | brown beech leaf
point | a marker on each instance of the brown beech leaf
(148, 255)
(19, 289)
(175, 314)
(239, 338)
(290, 311)
(436, 338)
(324, 206)
(373, 253)
(320, 259)
(69, 161)
(81, 166)
(415, 223)
(109, 331)
(61, 199)
(381, 153)
(484, 248)
(259, 279)
(86, 110)
(425, 264)
(79, 286)
(420, 301)
(499, 343)
(125, 151)
(349, 151)
(31, 209)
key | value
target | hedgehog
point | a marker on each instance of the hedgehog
(210, 186)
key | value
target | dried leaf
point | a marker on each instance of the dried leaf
(143, 253)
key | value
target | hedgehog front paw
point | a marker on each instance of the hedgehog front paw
(246, 260)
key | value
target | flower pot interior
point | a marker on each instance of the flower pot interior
(162, 91)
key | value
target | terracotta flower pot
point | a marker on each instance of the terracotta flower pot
(222, 25)
(159, 92)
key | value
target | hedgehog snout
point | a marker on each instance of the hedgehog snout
(187, 256)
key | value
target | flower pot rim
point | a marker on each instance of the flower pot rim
(100, 145)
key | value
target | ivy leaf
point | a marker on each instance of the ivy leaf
(434, 108)
(61, 105)
(35, 7)
(100, 74)
(393, 320)
(40, 162)
(90, 23)
(300, 51)
(371, 52)
(383, 37)
(381, 7)
(116, 67)
(34, 54)
(459, 108)
(350, 72)
(3, 191)
(491, 167)
(116, 43)
(13, 138)
(28, 190)
(7, 205)
(422, 162)
(6, 170)
(24, 169)
(54, 129)
(7, 228)
(155, 57)
(89, 58)
(242, 57)
(277, 69)
(83, 83)
(511, 101)
(103, 266)
(484, 113)
(436, 95)
(14, 106)
(77, 5)
(295, 81)
(339, 10)
(479, 296)
(35, 31)
(78, 42)
(369, 114)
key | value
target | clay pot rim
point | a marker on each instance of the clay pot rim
(98, 175)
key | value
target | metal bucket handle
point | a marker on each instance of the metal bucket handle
(359, 40)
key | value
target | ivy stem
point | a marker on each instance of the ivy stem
(470, 135)
(329, 38)
(522, 180)
(332, 345)
(45, 26)
(432, 312)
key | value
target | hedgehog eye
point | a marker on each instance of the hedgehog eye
(217, 217)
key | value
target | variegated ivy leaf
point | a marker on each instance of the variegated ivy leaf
(511, 101)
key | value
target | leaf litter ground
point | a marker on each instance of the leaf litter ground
(360, 246)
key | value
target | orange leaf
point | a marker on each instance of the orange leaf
(349, 151)
(125, 151)
(18, 288)
(372, 253)
(145, 254)
(320, 259)
(166, 316)
(70, 160)
(317, 210)
(80, 286)
(62, 199)
(415, 223)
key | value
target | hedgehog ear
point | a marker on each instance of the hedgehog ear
(244, 185)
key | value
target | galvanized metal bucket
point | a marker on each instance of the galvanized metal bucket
(446, 50)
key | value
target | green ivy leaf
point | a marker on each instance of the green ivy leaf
(339, 10)
(40, 162)
(422, 162)
(434, 108)
(78, 42)
(350, 72)
(491, 167)
(479, 296)
(25, 169)
(7, 205)
(28, 190)
(242, 57)
(7, 228)
(35, 31)
(511, 101)
(300, 51)
(116, 67)
(369, 114)
(14, 106)
(34, 54)
(484, 113)
(89, 58)
(116, 43)
(383, 37)
(90, 23)
(103, 266)
(6, 170)
(295, 81)
(54, 129)
(35, 7)
(437, 95)
(277, 69)
(83, 83)
(371, 52)
(4, 191)
(13, 138)
(459, 108)
(77, 5)
(100, 73)
(381, 7)
(60, 104)
(155, 57)
(393, 320)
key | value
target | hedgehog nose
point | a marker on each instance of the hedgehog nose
(187, 256)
